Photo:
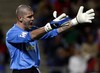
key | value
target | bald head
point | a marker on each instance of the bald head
(22, 9)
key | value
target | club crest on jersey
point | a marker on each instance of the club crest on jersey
(23, 34)
(31, 47)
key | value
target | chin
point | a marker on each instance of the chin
(30, 27)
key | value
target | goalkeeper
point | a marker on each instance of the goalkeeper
(21, 39)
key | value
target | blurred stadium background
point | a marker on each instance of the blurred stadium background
(81, 42)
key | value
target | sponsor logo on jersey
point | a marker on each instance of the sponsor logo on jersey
(23, 34)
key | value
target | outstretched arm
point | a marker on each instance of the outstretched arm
(63, 22)
(57, 22)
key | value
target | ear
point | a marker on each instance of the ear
(20, 18)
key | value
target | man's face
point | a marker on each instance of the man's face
(27, 19)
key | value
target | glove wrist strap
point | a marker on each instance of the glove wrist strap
(77, 20)
(47, 27)
(74, 21)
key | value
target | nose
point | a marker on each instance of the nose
(32, 18)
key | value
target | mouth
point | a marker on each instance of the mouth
(31, 23)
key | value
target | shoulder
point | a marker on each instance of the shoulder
(12, 31)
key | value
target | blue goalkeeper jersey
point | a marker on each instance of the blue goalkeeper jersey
(24, 51)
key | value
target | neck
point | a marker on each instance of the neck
(21, 25)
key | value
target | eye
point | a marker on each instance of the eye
(30, 16)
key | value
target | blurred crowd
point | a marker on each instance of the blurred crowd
(75, 51)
